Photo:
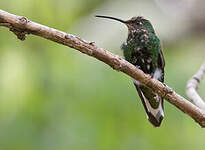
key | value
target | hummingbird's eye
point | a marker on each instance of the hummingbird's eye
(138, 23)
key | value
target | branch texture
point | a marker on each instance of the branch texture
(192, 86)
(21, 26)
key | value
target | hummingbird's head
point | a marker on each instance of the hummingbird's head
(134, 23)
(137, 23)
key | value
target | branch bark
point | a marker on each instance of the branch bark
(21, 26)
(192, 86)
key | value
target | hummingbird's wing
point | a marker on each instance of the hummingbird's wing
(161, 64)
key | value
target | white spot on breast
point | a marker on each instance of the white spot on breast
(144, 31)
(148, 67)
(146, 37)
(149, 60)
(156, 97)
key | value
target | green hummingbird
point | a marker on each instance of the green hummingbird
(142, 48)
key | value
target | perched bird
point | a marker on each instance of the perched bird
(142, 48)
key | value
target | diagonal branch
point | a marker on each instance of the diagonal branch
(192, 86)
(21, 26)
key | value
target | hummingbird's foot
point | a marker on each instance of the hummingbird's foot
(167, 90)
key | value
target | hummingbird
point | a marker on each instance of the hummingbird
(143, 49)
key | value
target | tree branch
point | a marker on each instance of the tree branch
(192, 86)
(21, 26)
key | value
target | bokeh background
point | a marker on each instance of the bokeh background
(55, 98)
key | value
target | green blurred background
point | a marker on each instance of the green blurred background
(55, 98)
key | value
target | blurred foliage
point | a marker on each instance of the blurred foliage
(55, 98)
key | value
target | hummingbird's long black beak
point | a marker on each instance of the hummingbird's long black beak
(113, 18)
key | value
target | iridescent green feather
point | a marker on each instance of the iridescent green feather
(153, 50)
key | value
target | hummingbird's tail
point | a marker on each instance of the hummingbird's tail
(154, 111)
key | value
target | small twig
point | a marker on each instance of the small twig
(25, 26)
(192, 86)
